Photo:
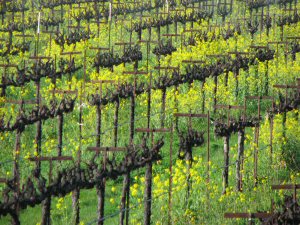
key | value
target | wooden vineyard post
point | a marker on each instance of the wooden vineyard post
(148, 174)
(177, 12)
(38, 137)
(176, 103)
(226, 143)
(126, 179)
(61, 119)
(116, 119)
(140, 30)
(170, 178)
(158, 27)
(99, 111)
(132, 101)
(240, 160)
(164, 93)
(271, 132)
(46, 211)
(125, 200)
(101, 189)
(126, 182)
(150, 81)
(148, 49)
(190, 158)
(256, 136)
(76, 192)
(249, 216)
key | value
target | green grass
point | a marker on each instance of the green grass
(199, 209)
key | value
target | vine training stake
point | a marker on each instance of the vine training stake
(167, 4)
(39, 22)
(110, 9)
